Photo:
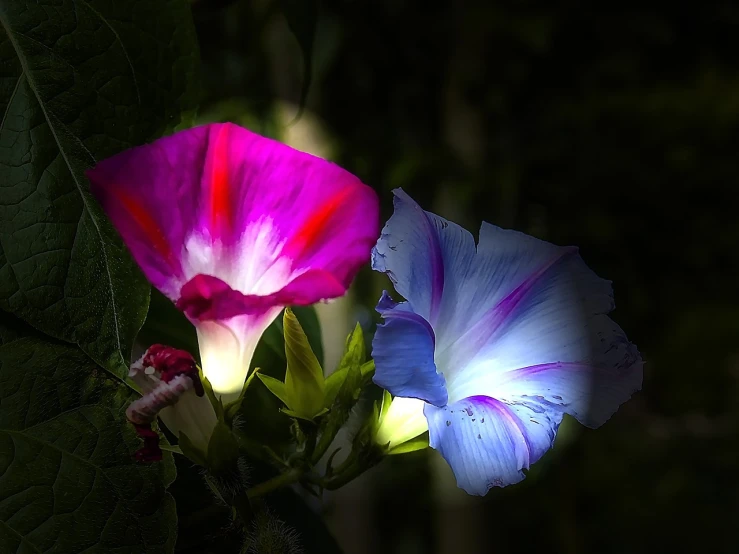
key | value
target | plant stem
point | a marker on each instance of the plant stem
(346, 475)
(275, 483)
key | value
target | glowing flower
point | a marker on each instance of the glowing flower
(499, 340)
(232, 227)
(171, 389)
(403, 421)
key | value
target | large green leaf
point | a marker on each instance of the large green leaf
(12, 328)
(81, 80)
(68, 482)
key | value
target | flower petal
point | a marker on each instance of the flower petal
(591, 390)
(403, 350)
(425, 256)
(226, 350)
(555, 344)
(151, 195)
(206, 298)
(222, 201)
(488, 443)
(507, 265)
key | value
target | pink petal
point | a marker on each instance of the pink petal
(261, 217)
(208, 298)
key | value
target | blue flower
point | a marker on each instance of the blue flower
(499, 339)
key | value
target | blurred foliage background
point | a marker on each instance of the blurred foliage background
(611, 128)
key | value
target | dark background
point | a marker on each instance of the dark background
(612, 128)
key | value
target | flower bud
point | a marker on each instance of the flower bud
(171, 390)
(401, 420)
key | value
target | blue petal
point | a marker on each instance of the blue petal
(426, 257)
(553, 344)
(488, 443)
(591, 390)
(403, 350)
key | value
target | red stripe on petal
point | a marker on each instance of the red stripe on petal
(146, 223)
(220, 208)
(313, 228)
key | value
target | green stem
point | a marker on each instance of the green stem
(344, 477)
(275, 483)
(328, 434)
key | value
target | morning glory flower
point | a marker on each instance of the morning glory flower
(232, 227)
(499, 340)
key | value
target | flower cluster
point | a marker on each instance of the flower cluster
(493, 343)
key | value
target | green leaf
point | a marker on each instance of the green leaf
(349, 368)
(368, 370)
(81, 81)
(275, 386)
(333, 384)
(68, 481)
(308, 319)
(302, 19)
(12, 328)
(304, 382)
(343, 388)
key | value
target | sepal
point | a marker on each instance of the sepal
(419, 443)
(223, 449)
(276, 387)
(343, 389)
(192, 451)
(304, 382)
(344, 384)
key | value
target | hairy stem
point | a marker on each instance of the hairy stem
(241, 504)
(275, 483)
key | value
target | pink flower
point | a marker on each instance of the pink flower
(232, 227)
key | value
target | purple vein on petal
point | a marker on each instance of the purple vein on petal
(491, 321)
(436, 259)
(513, 420)
(412, 316)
